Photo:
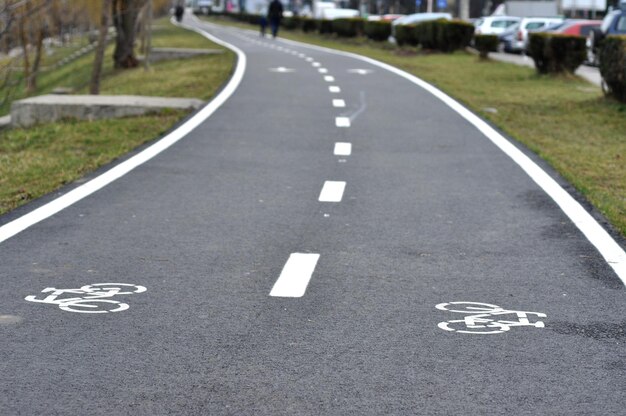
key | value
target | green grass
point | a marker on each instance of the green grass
(38, 160)
(565, 120)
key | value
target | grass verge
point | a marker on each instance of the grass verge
(40, 159)
(565, 120)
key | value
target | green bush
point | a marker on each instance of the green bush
(308, 25)
(485, 44)
(555, 53)
(378, 31)
(348, 28)
(325, 26)
(444, 35)
(291, 23)
(612, 55)
(405, 35)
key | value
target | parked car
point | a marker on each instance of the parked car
(614, 23)
(506, 39)
(520, 41)
(494, 25)
(332, 14)
(575, 27)
(415, 18)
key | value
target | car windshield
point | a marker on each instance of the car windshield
(534, 25)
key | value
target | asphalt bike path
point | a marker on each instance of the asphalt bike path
(344, 245)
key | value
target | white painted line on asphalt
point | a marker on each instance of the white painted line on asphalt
(339, 103)
(343, 149)
(613, 254)
(316, 64)
(301, 55)
(45, 211)
(329, 78)
(310, 59)
(334, 89)
(332, 191)
(342, 121)
(323, 71)
(296, 274)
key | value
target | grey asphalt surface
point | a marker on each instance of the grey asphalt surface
(432, 213)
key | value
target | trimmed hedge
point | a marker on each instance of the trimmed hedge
(485, 44)
(291, 23)
(612, 56)
(405, 35)
(348, 28)
(378, 31)
(441, 35)
(555, 53)
(308, 25)
(325, 26)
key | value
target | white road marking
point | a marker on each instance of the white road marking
(310, 59)
(316, 64)
(282, 69)
(301, 55)
(45, 211)
(332, 191)
(334, 89)
(342, 121)
(329, 78)
(322, 70)
(296, 274)
(343, 149)
(339, 103)
(613, 254)
(360, 71)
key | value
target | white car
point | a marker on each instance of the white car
(332, 14)
(412, 19)
(494, 25)
(520, 40)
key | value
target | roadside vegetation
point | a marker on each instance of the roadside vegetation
(565, 120)
(38, 160)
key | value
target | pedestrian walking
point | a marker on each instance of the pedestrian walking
(179, 10)
(275, 14)
(263, 21)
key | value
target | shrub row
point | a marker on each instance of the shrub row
(555, 53)
(441, 35)
(485, 44)
(613, 66)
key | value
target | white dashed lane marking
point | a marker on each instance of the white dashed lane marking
(334, 89)
(323, 70)
(342, 121)
(329, 78)
(332, 191)
(343, 149)
(339, 103)
(296, 274)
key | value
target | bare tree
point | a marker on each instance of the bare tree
(96, 74)
(125, 14)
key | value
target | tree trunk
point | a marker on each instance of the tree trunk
(124, 17)
(96, 74)
(31, 84)
(25, 58)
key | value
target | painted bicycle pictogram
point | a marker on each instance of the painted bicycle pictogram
(94, 298)
(485, 319)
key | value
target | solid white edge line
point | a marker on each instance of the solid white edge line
(295, 276)
(332, 191)
(45, 211)
(343, 149)
(611, 251)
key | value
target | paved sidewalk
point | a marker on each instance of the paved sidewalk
(589, 73)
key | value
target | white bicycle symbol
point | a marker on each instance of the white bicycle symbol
(94, 299)
(481, 318)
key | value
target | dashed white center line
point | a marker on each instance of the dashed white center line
(334, 89)
(342, 121)
(295, 276)
(343, 149)
(339, 103)
(332, 191)
(301, 55)
(310, 59)
(329, 78)
(323, 70)
(316, 64)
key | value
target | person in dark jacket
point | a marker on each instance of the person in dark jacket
(274, 14)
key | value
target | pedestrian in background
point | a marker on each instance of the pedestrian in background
(263, 21)
(179, 10)
(274, 14)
